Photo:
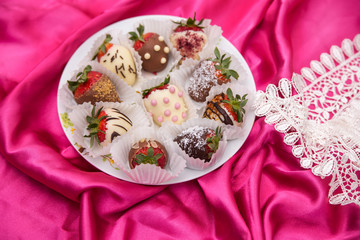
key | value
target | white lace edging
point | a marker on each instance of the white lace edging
(322, 121)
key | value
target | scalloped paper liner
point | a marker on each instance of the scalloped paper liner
(78, 117)
(146, 173)
(170, 131)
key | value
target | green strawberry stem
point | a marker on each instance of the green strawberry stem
(147, 91)
(213, 141)
(191, 22)
(237, 103)
(93, 127)
(135, 37)
(223, 65)
(148, 158)
(81, 77)
(102, 47)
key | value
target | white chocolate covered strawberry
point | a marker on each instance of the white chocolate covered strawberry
(165, 103)
(106, 124)
(117, 59)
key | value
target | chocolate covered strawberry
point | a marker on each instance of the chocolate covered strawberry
(117, 59)
(148, 151)
(152, 49)
(92, 86)
(210, 73)
(165, 102)
(189, 38)
(227, 108)
(106, 124)
(199, 142)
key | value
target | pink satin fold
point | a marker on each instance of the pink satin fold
(48, 191)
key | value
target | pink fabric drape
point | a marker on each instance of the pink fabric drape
(48, 191)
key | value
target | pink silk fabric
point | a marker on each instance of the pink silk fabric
(48, 191)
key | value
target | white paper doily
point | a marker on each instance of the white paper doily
(321, 121)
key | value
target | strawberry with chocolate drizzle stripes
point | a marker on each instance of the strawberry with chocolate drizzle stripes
(152, 49)
(226, 108)
(148, 151)
(92, 86)
(209, 73)
(165, 102)
(106, 124)
(189, 38)
(117, 59)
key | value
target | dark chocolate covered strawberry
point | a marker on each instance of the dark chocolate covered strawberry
(92, 86)
(189, 38)
(210, 73)
(199, 142)
(226, 108)
(165, 102)
(152, 49)
(148, 151)
(117, 59)
(106, 124)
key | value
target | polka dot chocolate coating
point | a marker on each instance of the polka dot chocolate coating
(154, 54)
(166, 105)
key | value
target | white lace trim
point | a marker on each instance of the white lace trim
(322, 121)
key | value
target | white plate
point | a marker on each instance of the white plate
(187, 174)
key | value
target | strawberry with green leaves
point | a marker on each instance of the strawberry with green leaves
(208, 74)
(189, 38)
(152, 49)
(92, 86)
(148, 151)
(227, 108)
(117, 59)
(97, 126)
(199, 142)
(165, 102)
(105, 124)
(103, 48)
